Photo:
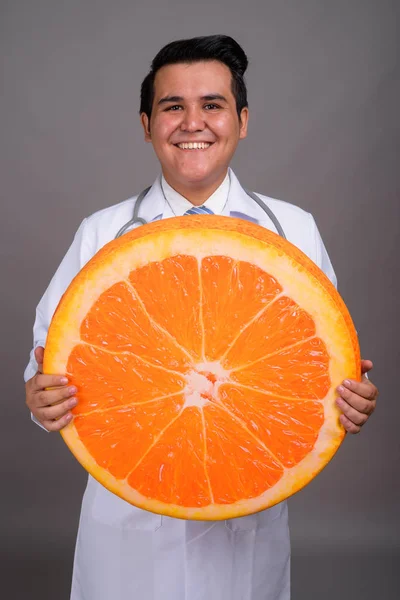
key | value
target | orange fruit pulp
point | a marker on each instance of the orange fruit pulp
(206, 351)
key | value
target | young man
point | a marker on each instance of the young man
(194, 111)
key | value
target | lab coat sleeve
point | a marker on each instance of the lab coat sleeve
(322, 259)
(77, 255)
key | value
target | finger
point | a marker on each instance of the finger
(50, 413)
(39, 354)
(54, 396)
(348, 425)
(41, 381)
(58, 424)
(353, 415)
(358, 403)
(366, 366)
(365, 388)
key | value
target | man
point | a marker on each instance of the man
(194, 111)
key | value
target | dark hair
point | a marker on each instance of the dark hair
(210, 47)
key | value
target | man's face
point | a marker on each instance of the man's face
(194, 104)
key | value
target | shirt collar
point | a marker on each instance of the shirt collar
(178, 204)
(155, 205)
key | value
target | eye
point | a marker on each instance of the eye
(211, 106)
(174, 107)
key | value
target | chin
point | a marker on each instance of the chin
(196, 176)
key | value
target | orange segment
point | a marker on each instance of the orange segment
(281, 324)
(105, 380)
(297, 372)
(289, 428)
(117, 322)
(249, 468)
(176, 277)
(206, 352)
(174, 470)
(118, 438)
(233, 292)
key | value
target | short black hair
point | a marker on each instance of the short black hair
(210, 47)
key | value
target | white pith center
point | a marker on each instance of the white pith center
(200, 389)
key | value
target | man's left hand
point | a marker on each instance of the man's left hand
(357, 400)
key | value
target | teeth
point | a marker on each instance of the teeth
(194, 145)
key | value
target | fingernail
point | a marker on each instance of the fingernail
(73, 402)
(340, 401)
(341, 389)
(63, 380)
(347, 382)
(72, 390)
(69, 417)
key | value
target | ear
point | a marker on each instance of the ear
(244, 119)
(144, 119)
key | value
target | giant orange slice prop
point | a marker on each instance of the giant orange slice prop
(206, 351)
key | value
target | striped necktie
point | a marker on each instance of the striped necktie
(198, 210)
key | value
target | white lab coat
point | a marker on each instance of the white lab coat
(125, 553)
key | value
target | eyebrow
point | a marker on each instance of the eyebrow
(207, 98)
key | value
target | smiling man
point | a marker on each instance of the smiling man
(194, 126)
(194, 111)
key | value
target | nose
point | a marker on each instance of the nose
(193, 120)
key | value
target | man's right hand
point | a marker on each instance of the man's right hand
(51, 407)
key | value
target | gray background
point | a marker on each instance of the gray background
(324, 134)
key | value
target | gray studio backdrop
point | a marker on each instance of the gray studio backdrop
(324, 134)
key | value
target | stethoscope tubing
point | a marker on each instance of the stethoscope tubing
(136, 220)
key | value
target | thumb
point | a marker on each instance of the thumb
(39, 354)
(366, 365)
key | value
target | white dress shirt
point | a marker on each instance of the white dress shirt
(177, 204)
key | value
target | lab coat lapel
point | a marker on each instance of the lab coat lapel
(240, 205)
(153, 204)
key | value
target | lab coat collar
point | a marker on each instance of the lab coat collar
(153, 204)
(238, 205)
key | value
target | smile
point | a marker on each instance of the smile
(194, 145)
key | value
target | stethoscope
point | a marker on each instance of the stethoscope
(136, 220)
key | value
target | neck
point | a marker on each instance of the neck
(196, 193)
